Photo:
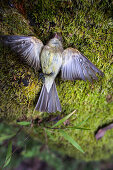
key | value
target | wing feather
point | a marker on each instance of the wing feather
(77, 66)
(29, 48)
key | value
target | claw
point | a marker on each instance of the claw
(50, 74)
(41, 77)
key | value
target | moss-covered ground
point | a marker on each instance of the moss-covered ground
(85, 25)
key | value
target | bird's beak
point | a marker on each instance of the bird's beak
(58, 36)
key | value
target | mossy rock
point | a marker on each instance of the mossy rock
(86, 25)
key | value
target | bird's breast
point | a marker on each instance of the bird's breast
(51, 60)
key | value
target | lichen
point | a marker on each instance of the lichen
(86, 25)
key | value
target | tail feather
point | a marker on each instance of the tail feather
(48, 102)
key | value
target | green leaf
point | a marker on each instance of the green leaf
(5, 137)
(82, 121)
(64, 119)
(76, 127)
(71, 140)
(24, 123)
(9, 154)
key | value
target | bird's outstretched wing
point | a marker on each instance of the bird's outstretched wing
(77, 67)
(29, 48)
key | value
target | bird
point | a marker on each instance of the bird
(52, 58)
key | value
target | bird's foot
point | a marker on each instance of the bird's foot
(50, 74)
(41, 77)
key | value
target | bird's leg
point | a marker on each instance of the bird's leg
(41, 76)
(50, 74)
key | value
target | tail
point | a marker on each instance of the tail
(48, 102)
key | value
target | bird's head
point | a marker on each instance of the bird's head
(55, 42)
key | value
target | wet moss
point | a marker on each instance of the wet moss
(86, 25)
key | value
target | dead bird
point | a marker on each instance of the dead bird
(52, 58)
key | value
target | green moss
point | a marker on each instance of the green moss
(86, 26)
(16, 98)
